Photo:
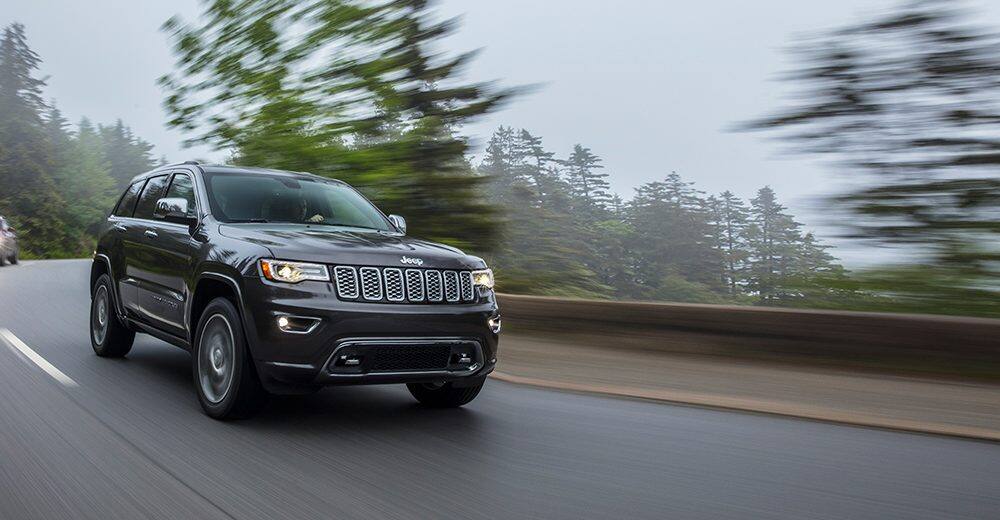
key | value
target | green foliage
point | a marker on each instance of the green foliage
(540, 243)
(57, 186)
(669, 242)
(908, 105)
(28, 196)
(126, 154)
(82, 175)
(348, 89)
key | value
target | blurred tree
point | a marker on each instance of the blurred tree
(126, 154)
(82, 177)
(28, 196)
(672, 236)
(350, 89)
(773, 237)
(587, 183)
(908, 104)
(730, 216)
(539, 248)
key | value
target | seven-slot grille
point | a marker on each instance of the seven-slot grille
(395, 285)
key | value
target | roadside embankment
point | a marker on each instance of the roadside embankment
(919, 373)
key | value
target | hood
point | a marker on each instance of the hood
(332, 245)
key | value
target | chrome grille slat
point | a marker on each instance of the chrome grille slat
(465, 278)
(371, 283)
(414, 285)
(347, 282)
(393, 284)
(451, 286)
(399, 285)
(434, 285)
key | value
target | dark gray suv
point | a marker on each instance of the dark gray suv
(282, 282)
(9, 251)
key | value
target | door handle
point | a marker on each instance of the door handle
(150, 233)
(121, 228)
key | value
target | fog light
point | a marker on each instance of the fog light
(297, 324)
(494, 323)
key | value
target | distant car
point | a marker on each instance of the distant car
(9, 251)
(283, 282)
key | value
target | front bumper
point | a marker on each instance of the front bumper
(289, 362)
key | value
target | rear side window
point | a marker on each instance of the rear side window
(127, 203)
(183, 188)
(153, 192)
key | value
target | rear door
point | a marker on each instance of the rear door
(123, 231)
(140, 261)
(169, 251)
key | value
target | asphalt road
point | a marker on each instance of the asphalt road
(127, 439)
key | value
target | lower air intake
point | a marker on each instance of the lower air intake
(408, 358)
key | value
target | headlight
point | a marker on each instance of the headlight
(293, 272)
(483, 278)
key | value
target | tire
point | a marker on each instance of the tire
(14, 258)
(225, 379)
(110, 338)
(444, 396)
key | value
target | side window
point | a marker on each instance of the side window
(182, 187)
(127, 203)
(153, 192)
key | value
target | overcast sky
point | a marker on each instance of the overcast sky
(650, 86)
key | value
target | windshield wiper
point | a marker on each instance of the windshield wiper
(341, 225)
(248, 221)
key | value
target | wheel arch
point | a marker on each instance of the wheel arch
(101, 266)
(208, 286)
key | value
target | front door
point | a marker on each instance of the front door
(167, 258)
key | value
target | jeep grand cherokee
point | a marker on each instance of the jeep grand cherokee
(282, 282)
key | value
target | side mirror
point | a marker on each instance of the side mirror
(399, 222)
(173, 210)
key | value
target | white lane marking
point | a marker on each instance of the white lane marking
(16, 343)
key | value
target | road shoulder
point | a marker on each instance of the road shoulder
(970, 410)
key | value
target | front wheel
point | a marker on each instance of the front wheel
(444, 395)
(224, 376)
(108, 336)
(13, 258)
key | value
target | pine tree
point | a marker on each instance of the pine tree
(773, 237)
(539, 248)
(732, 220)
(673, 241)
(127, 154)
(588, 184)
(86, 184)
(28, 198)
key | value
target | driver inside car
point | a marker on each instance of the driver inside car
(284, 209)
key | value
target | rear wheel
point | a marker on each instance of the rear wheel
(108, 336)
(444, 395)
(225, 379)
(13, 258)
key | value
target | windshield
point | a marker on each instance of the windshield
(254, 197)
